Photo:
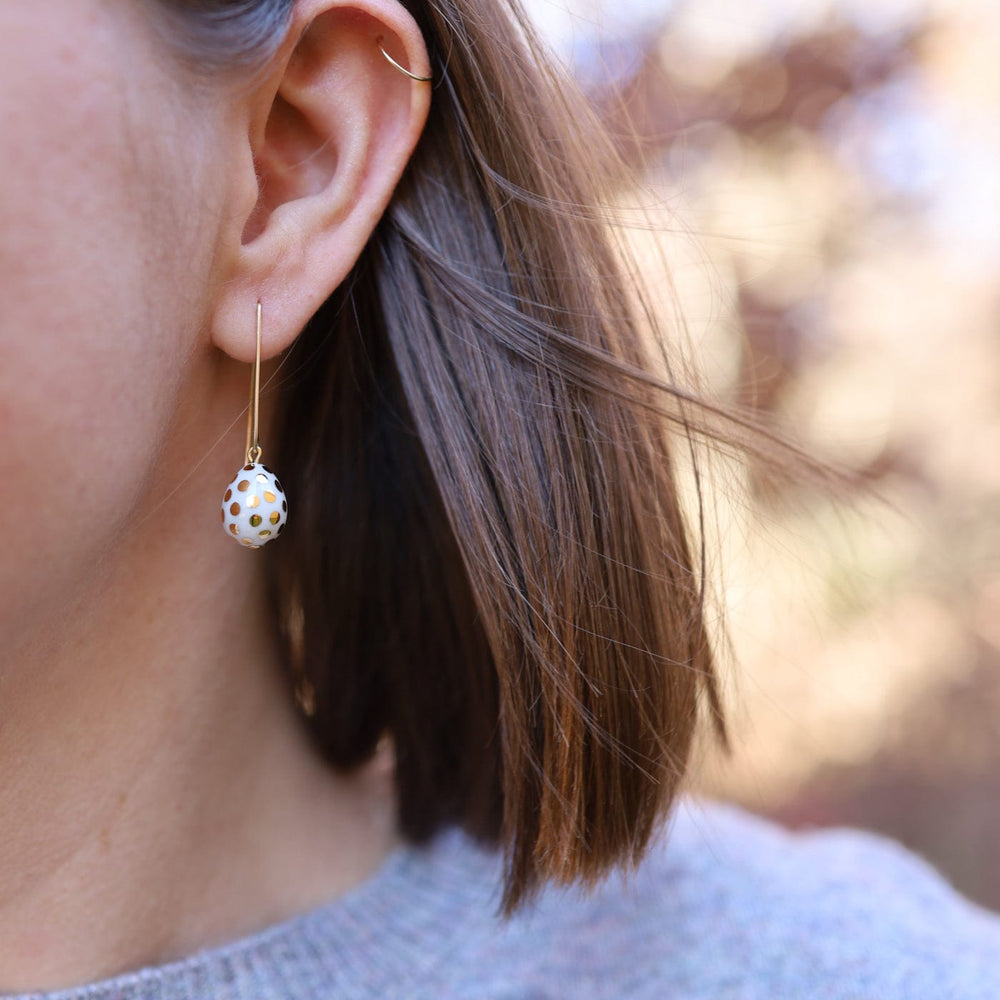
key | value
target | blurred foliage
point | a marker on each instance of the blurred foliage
(827, 178)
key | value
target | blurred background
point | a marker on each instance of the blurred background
(828, 173)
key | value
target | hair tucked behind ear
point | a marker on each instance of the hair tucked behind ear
(487, 558)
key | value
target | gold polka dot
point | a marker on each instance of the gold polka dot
(275, 517)
(234, 509)
(248, 468)
(261, 478)
(243, 485)
(269, 496)
(228, 496)
(249, 543)
(255, 520)
(264, 534)
(233, 529)
(223, 513)
(253, 501)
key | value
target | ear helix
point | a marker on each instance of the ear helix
(254, 508)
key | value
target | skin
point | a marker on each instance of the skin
(158, 793)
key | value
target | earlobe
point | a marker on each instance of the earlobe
(336, 125)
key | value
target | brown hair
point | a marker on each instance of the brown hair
(488, 559)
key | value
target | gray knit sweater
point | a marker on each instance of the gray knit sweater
(727, 907)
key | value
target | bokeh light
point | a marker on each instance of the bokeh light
(827, 176)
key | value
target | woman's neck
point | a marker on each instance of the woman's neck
(159, 791)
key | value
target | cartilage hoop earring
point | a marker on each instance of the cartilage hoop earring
(254, 508)
(402, 69)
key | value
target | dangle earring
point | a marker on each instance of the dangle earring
(254, 509)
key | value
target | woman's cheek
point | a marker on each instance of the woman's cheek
(100, 264)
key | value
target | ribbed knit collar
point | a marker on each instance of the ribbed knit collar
(370, 942)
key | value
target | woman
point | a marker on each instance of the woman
(483, 596)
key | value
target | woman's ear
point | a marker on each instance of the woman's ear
(327, 138)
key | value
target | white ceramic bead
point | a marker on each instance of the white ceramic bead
(254, 509)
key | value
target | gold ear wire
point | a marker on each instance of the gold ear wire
(253, 441)
(402, 69)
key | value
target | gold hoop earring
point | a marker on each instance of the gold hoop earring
(402, 69)
(254, 508)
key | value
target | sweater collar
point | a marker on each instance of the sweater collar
(389, 930)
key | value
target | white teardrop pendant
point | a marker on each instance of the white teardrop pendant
(254, 506)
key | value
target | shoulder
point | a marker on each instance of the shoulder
(728, 905)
